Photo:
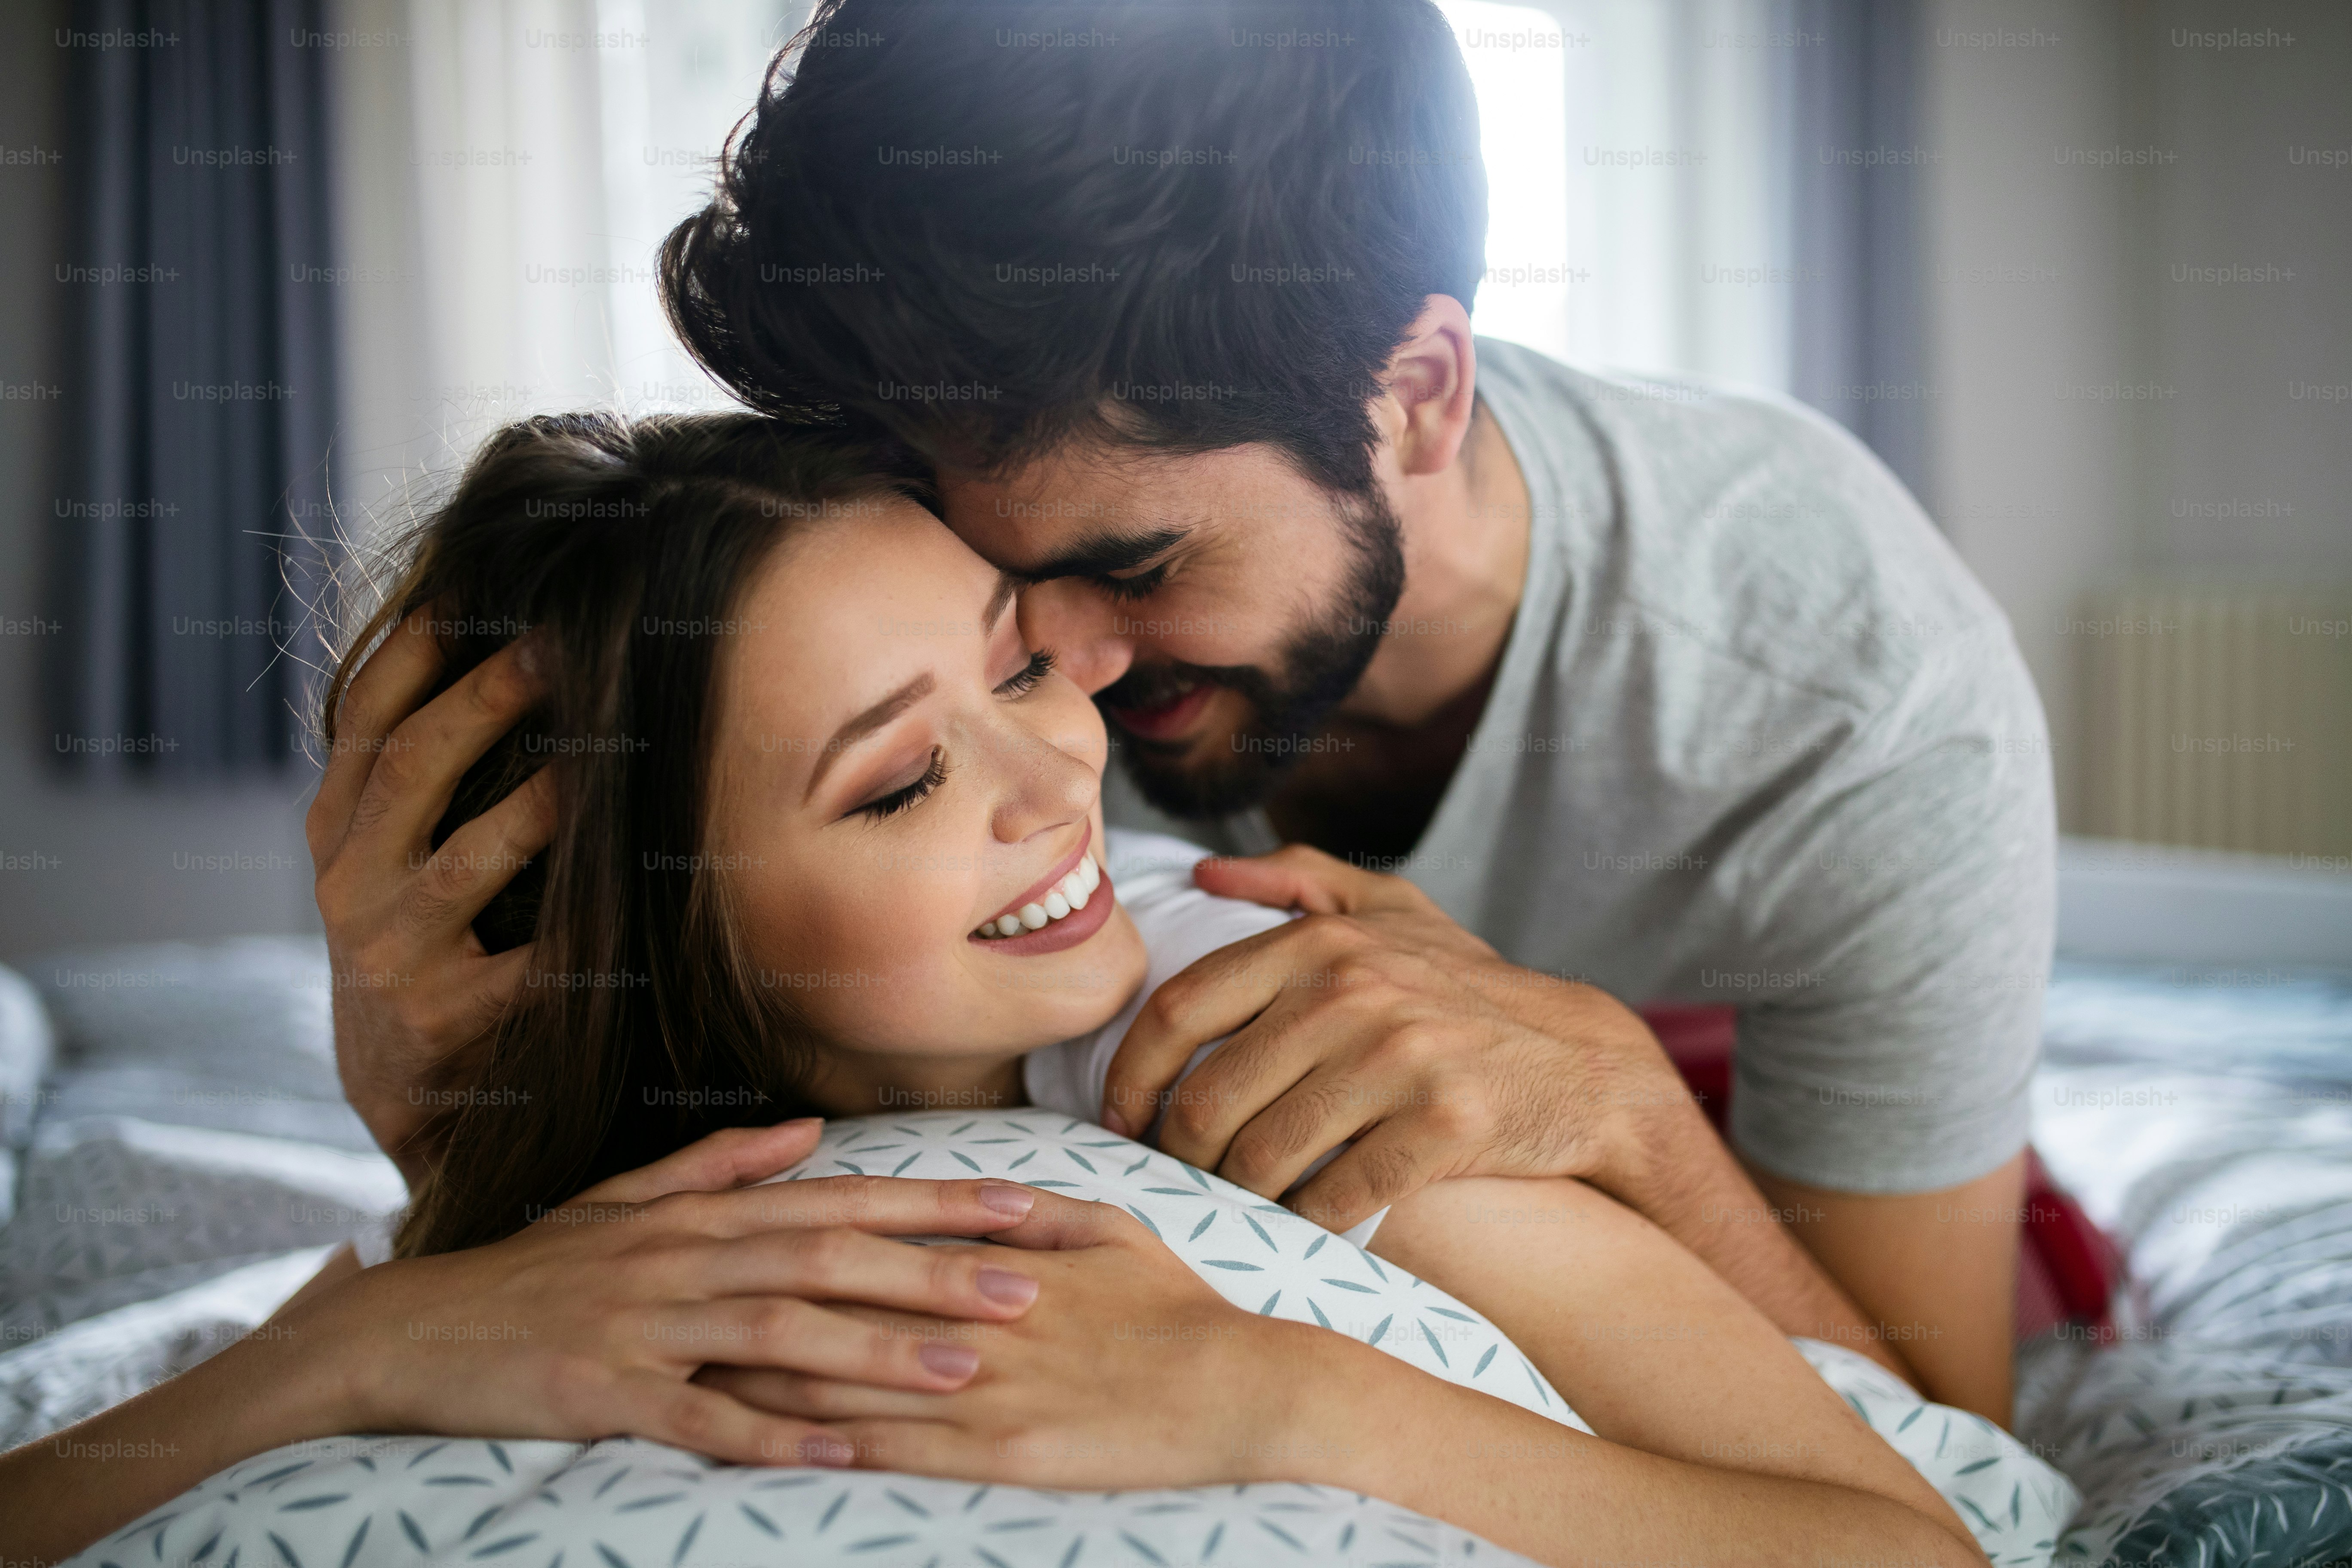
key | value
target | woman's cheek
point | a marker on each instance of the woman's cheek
(890, 951)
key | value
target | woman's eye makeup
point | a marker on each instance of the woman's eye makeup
(1026, 680)
(1021, 683)
(907, 794)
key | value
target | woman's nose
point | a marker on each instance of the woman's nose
(1051, 779)
(1082, 629)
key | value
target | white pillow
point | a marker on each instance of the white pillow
(358, 1502)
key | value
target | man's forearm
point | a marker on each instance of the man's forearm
(1678, 1175)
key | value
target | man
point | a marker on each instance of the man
(1646, 690)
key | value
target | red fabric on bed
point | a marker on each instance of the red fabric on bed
(2066, 1268)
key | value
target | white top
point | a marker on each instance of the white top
(1151, 875)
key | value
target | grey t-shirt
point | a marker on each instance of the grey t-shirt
(1756, 737)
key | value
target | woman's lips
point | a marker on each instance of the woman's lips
(1168, 721)
(1051, 880)
(1069, 931)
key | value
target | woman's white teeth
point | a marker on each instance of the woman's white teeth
(1070, 893)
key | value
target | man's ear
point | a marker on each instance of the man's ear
(1432, 388)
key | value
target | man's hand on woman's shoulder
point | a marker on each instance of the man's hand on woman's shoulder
(1377, 1018)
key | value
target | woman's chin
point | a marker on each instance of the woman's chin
(1059, 995)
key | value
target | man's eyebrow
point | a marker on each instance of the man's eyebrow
(1106, 551)
(865, 723)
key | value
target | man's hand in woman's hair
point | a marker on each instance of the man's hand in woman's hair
(592, 1320)
(416, 994)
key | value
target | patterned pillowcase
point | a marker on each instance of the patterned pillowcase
(355, 1502)
(1256, 1254)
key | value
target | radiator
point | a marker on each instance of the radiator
(2219, 718)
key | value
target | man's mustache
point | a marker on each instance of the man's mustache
(1146, 687)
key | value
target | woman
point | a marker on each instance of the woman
(828, 838)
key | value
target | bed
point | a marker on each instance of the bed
(179, 1159)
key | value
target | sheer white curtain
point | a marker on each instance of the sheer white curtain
(1636, 155)
(509, 168)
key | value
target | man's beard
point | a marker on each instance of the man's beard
(1321, 667)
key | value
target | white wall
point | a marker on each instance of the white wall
(2096, 422)
(2025, 308)
(2245, 479)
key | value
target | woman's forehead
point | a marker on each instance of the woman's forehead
(853, 607)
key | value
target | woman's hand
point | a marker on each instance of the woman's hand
(592, 1321)
(587, 1325)
(1130, 1371)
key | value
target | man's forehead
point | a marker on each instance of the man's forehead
(1069, 514)
(1040, 518)
(1044, 543)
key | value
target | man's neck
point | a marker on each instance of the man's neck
(1397, 740)
(1466, 532)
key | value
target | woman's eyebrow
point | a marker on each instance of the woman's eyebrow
(865, 723)
(1008, 585)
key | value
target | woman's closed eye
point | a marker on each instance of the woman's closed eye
(1026, 680)
(899, 799)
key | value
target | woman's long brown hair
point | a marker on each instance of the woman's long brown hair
(623, 547)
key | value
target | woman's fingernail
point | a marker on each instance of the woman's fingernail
(958, 1362)
(1006, 1287)
(1116, 1123)
(1007, 1199)
(803, 1122)
(528, 658)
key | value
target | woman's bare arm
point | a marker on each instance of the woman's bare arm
(544, 1334)
(1073, 1396)
(1649, 1345)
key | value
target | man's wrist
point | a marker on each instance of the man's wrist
(1644, 1121)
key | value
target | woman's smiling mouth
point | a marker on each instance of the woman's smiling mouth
(1061, 910)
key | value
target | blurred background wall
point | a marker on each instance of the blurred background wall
(2076, 269)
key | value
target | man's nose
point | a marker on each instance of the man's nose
(1082, 629)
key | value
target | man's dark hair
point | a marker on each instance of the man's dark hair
(990, 228)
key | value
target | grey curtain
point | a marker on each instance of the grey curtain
(1858, 328)
(190, 519)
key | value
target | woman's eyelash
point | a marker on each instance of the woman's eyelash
(1025, 680)
(899, 800)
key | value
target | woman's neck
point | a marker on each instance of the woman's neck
(849, 1082)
